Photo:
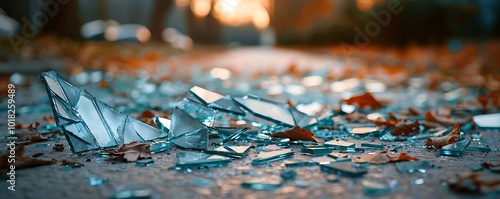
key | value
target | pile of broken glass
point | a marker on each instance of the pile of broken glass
(89, 124)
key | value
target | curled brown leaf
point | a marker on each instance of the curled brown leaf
(450, 138)
(366, 100)
(133, 151)
(406, 129)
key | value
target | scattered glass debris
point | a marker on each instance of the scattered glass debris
(340, 144)
(323, 160)
(266, 157)
(316, 150)
(145, 162)
(160, 146)
(414, 166)
(347, 169)
(455, 149)
(288, 174)
(230, 151)
(363, 130)
(300, 163)
(194, 159)
(268, 183)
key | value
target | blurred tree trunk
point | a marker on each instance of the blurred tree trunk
(205, 30)
(159, 18)
(66, 22)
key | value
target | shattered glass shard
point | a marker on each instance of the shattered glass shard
(201, 113)
(160, 146)
(163, 123)
(323, 160)
(195, 159)
(488, 120)
(268, 110)
(227, 104)
(347, 169)
(316, 150)
(414, 166)
(337, 155)
(455, 149)
(90, 124)
(301, 119)
(477, 146)
(230, 151)
(268, 183)
(145, 162)
(266, 157)
(188, 132)
(229, 133)
(197, 139)
(300, 163)
(205, 95)
(340, 144)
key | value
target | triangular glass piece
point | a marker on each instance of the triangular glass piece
(194, 159)
(63, 111)
(72, 93)
(128, 133)
(90, 113)
(455, 149)
(414, 166)
(163, 123)
(89, 119)
(199, 112)
(227, 104)
(230, 151)
(301, 119)
(205, 95)
(183, 123)
(52, 84)
(265, 157)
(79, 138)
(266, 109)
(197, 139)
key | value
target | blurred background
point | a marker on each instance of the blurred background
(256, 22)
(418, 36)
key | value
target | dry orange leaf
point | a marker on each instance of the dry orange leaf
(451, 138)
(290, 103)
(445, 120)
(383, 122)
(364, 100)
(133, 151)
(383, 157)
(407, 129)
(356, 117)
(377, 158)
(22, 162)
(49, 119)
(297, 133)
(476, 182)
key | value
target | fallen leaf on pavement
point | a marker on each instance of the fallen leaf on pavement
(133, 151)
(451, 138)
(406, 129)
(364, 101)
(297, 133)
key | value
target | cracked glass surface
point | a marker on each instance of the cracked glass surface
(90, 124)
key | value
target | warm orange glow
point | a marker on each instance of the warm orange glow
(241, 12)
(143, 34)
(201, 8)
(365, 5)
(260, 18)
(182, 3)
